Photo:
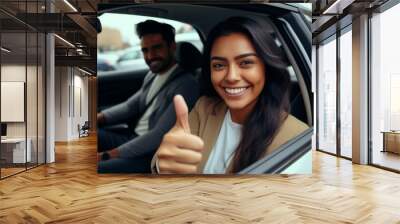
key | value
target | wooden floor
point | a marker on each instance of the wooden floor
(10, 171)
(5, 172)
(387, 159)
(70, 191)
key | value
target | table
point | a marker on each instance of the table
(13, 150)
(391, 141)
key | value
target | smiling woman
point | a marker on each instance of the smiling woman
(237, 74)
(245, 115)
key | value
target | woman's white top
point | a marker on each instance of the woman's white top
(224, 148)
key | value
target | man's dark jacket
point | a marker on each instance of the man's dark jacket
(161, 120)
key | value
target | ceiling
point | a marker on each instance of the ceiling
(73, 20)
(332, 15)
(77, 25)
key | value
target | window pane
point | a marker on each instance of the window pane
(119, 46)
(346, 94)
(41, 98)
(385, 88)
(14, 152)
(31, 100)
(327, 97)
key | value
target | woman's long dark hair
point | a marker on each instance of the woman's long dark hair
(272, 106)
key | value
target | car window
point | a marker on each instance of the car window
(118, 38)
(133, 54)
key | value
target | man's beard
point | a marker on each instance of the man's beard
(159, 65)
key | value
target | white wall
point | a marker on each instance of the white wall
(14, 73)
(17, 73)
(33, 126)
(81, 82)
(61, 103)
(71, 93)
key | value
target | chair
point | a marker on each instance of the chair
(84, 130)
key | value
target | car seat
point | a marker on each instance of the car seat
(189, 57)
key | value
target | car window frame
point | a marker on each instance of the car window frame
(301, 73)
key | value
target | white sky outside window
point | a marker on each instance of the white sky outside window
(385, 75)
(327, 97)
(126, 24)
(346, 93)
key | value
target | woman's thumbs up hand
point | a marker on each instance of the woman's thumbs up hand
(182, 114)
(180, 152)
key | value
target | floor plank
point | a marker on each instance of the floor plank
(387, 159)
(70, 191)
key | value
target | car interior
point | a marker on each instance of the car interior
(293, 35)
(117, 86)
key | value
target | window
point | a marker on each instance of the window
(346, 93)
(22, 65)
(119, 45)
(131, 55)
(334, 106)
(385, 85)
(327, 96)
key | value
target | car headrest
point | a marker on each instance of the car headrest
(188, 56)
